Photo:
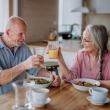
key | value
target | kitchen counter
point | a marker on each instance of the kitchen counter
(66, 45)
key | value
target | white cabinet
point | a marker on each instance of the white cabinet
(99, 6)
(68, 58)
(103, 6)
(68, 16)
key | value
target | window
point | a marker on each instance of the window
(4, 13)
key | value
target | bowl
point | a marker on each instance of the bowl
(83, 88)
(34, 85)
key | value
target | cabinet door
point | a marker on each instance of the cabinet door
(103, 6)
(71, 17)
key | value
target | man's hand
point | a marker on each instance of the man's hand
(56, 81)
(33, 61)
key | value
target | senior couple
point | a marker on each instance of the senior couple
(16, 58)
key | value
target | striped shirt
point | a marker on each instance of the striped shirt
(9, 60)
(80, 67)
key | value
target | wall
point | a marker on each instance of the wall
(98, 19)
(98, 16)
(100, 13)
(40, 15)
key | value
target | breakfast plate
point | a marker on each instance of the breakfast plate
(91, 82)
(38, 82)
(97, 103)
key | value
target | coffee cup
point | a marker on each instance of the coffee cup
(99, 94)
(38, 95)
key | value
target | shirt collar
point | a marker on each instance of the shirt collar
(2, 45)
(83, 49)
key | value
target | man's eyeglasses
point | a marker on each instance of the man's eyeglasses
(84, 40)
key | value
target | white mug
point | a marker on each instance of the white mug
(99, 94)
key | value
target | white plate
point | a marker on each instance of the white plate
(83, 88)
(97, 103)
(33, 85)
(37, 105)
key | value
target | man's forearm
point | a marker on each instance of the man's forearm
(9, 74)
(44, 73)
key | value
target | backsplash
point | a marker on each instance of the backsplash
(40, 15)
(103, 19)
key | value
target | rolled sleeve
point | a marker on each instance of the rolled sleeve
(34, 71)
(6, 88)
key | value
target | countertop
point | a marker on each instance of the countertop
(66, 45)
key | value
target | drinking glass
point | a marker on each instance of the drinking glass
(53, 49)
(39, 51)
(21, 101)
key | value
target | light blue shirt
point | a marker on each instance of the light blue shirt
(9, 60)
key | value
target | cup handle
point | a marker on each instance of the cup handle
(28, 95)
(90, 91)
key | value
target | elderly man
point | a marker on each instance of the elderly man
(16, 57)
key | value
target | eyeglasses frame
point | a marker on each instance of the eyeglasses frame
(84, 40)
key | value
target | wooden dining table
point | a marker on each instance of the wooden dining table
(65, 97)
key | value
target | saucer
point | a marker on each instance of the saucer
(97, 103)
(41, 105)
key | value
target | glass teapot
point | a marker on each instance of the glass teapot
(53, 34)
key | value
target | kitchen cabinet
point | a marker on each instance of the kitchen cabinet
(68, 16)
(94, 6)
(68, 58)
(98, 6)
(67, 55)
(103, 6)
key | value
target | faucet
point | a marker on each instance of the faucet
(75, 24)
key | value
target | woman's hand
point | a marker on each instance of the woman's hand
(47, 50)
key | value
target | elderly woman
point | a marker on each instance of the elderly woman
(93, 61)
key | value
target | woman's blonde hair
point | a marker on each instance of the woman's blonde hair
(99, 35)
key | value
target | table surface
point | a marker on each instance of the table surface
(65, 97)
